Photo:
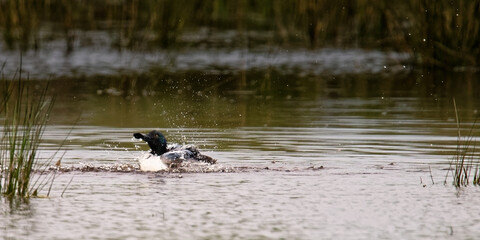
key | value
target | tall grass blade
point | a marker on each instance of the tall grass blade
(464, 160)
(25, 116)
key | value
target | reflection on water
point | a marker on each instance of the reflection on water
(91, 61)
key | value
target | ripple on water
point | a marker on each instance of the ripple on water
(376, 183)
(368, 203)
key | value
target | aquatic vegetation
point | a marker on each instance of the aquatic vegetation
(25, 114)
(443, 34)
(464, 161)
(436, 34)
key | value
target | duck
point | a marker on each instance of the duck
(163, 156)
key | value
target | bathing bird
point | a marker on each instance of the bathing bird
(174, 153)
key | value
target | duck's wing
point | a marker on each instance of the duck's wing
(195, 154)
(187, 152)
(207, 159)
(175, 156)
(173, 146)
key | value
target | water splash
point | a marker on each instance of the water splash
(186, 167)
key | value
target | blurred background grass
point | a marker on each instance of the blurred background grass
(442, 34)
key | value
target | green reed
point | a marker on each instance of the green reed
(443, 34)
(464, 162)
(25, 115)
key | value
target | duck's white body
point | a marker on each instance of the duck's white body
(176, 153)
(151, 163)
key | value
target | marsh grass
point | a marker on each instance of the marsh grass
(25, 113)
(464, 162)
(443, 34)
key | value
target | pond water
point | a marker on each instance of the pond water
(307, 152)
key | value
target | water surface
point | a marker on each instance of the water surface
(311, 153)
(311, 168)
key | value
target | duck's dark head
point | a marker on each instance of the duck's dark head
(156, 141)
